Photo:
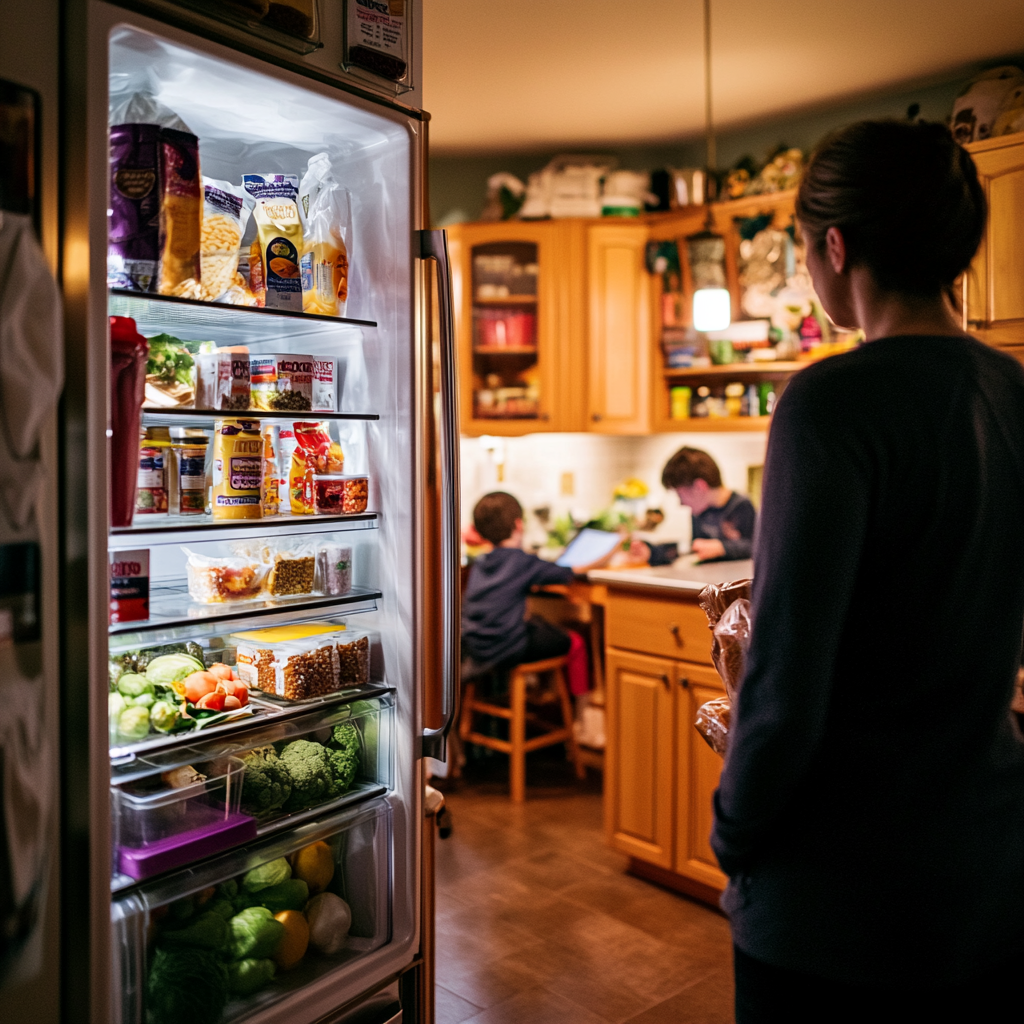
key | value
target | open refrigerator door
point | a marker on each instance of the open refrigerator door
(255, 587)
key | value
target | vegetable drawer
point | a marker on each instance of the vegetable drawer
(219, 941)
(171, 818)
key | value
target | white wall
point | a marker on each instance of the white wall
(532, 468)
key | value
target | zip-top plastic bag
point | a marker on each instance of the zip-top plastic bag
(326, 214)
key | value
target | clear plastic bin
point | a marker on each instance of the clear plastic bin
(340, 493)
(282, 664)
(171, 818)
(353, 656)
(353, 864)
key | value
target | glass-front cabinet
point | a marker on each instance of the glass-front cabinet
(508, 303)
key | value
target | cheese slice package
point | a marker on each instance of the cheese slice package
(279, 243)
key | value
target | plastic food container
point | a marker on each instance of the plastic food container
(353, 657)
(172, 818)
(296, 663)
(212, 580)
(334, 567)
(338, 493)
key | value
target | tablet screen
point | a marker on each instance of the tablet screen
(588, 546)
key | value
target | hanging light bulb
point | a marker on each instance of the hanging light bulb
(712, 309)
(712, 303)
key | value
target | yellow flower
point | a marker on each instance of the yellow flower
(631, 489)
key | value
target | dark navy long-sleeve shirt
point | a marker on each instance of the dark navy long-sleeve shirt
(871, 807)
(494, 604)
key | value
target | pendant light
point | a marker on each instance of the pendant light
(712, 303)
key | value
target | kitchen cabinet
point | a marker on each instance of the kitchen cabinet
(994, 285)
(520, 364)
(639, 760)
(659, 774)
(618, 329)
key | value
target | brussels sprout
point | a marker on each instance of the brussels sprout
(144, 700)
(115, 705)
(164, 716)
(169, 669)
(253, 933)
(134, 723)
(131, 684)
(266, 875)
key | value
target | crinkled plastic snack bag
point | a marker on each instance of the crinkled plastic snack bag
(324, 264)
(713, 723)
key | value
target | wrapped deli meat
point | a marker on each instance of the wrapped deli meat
(727, 607)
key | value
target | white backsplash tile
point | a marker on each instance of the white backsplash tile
(532, 467)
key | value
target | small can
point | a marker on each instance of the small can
(680, 399)
(191, 479)
(151, 498)
(334, 564)
(325, 385)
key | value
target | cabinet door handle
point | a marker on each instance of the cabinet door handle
(545, 416)
(674, 630)
(684, 683)
(596, 417)
(666, 681)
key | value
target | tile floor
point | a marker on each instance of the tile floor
(537, 921)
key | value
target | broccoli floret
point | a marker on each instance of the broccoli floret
(268, 782)
(345, 752)
(185, 985)
(310, 767)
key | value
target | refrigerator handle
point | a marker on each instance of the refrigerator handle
(434, 246)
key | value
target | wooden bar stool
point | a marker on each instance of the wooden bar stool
(517, 746)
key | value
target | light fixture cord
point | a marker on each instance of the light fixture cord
(710, 156)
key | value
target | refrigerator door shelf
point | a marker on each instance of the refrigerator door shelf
(150, 635)
(179, 417)
(360, 842)
(145, 532)
(232, 325)
(269, 724)
(170, 607)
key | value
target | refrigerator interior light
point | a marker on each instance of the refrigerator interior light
(712, 309)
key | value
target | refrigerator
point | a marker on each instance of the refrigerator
(196, 882)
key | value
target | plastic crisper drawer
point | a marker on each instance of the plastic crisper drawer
(287, 771)
(217, 942)
(170, 818)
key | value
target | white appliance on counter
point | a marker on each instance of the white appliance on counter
(259, 104)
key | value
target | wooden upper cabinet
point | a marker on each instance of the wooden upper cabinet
(618, 327)
(995, 282)
(640, 756)
(508, 302)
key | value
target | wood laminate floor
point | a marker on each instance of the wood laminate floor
(538, 923)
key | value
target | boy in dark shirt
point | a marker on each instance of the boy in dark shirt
(723, 521)
(494, 628)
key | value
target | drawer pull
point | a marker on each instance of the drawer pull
(684, 683)
(674, 630)
(665, 680)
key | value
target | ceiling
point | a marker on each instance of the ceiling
(506, 75)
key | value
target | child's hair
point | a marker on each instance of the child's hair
(495, 516)
(688, 465)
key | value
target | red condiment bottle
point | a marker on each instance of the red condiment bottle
(129, 351)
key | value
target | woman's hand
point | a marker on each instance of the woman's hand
(706, 549)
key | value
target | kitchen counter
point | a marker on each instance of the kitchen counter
(683, 576)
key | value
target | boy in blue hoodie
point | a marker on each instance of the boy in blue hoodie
(495, 631)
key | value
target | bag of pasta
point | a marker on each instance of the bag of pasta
(225, 213)
(324, 264)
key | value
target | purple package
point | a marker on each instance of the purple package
(133, 241)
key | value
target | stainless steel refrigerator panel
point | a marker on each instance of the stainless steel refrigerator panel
(393, 208)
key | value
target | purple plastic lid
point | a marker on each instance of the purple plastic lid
(185, 847)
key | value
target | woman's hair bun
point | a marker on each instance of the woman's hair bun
(906, 197)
